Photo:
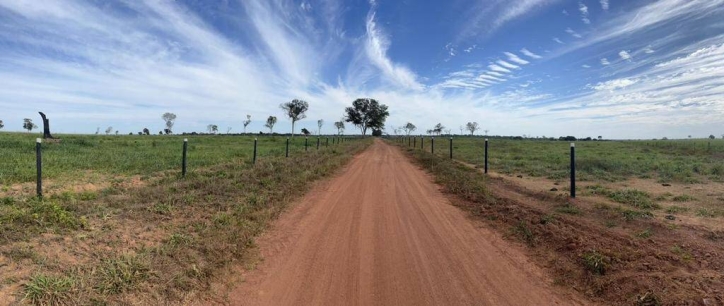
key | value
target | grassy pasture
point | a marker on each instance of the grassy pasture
(680, 161)
(126, 155)
(166, 240)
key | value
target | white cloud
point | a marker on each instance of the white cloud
(624, 55)
(604, 5)
(497, 68)
(648, 50)
(565, 12)
(605, 62)
(556, 39)
(305, 6)
(529, 54)
(614, 84)
(507, 65)
(584, 13)
(515, 59)
(585, 66)
(573, 33)
(376, 46)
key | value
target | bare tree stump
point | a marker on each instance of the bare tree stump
(46, 127)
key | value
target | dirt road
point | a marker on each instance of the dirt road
(381, 233)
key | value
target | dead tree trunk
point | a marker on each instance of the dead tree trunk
(46, 127)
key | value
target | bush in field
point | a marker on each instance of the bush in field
(146, 131)
(306, 132)
(376, 132)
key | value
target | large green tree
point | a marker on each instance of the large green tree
(367, 114)
(295, 110)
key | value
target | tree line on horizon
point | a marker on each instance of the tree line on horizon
(365, 113)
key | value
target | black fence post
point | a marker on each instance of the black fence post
(327, 145)
(254, 160)
(414, 143)
(432, 145)
(317, 143)
(450, 147)
(39, 166)
(183, 157)
(486, 156)
(306, 143)
(422, 143)
(573, 170)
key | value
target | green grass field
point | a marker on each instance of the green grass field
(77, 155)
(681, 161)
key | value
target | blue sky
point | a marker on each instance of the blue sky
(620, 69)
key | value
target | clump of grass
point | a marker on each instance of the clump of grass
(568, 208)
(43, 289)
(683, 198)
(633, 197)
(676, 209)
(709, 213)
(645, 233)
(119, 274)
(630, 214)
(524, 232)
(595, 262)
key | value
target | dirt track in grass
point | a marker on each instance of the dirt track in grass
(382, 233)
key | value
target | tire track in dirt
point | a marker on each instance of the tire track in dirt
(381, 233)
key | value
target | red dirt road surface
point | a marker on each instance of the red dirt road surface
(381, 233)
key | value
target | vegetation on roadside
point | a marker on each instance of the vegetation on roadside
(168, 241)
(584, 247)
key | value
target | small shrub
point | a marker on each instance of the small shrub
(644, 234)
(630, 214)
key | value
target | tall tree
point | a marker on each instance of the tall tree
(2, 125)
(29, 125)
(212, 128)
(320, 123)
(409, 128)
(170, 118)
(246, 122)
(270, 122)
(367, 114)
(472, 127)
(340, 127)
(295, 110)
(438, 129)
(109, 130)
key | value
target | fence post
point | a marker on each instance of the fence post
(327, 145)
(183, 157)
(432, 145)
(486, 156)
(287, 153)
(254, 160)
(450, 147)
(39, 166)
(422, 143)
(317, 143)
(306, 143)
(573, 170)
(414, 142)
